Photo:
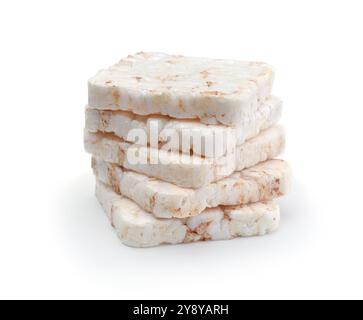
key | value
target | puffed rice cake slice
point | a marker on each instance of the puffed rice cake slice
(137, 228)
(211, 90)
(263, 182)
(162, 128)
(181, 169)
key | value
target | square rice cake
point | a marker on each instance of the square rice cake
(181, 169)
(138, 228)
(211, 90)
(263, 182)
(160, 129)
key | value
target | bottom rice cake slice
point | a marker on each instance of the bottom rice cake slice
(138, 228)
(181, 169)
(263, 182)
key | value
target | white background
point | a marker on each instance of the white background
(55, 241)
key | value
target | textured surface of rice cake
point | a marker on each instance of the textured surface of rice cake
(121, 123)
(212, 90)
(184, 170)
(137, 228)
(263, 182)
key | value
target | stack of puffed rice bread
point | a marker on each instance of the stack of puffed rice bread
(184, 148)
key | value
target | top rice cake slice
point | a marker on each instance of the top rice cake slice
(211, 90)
